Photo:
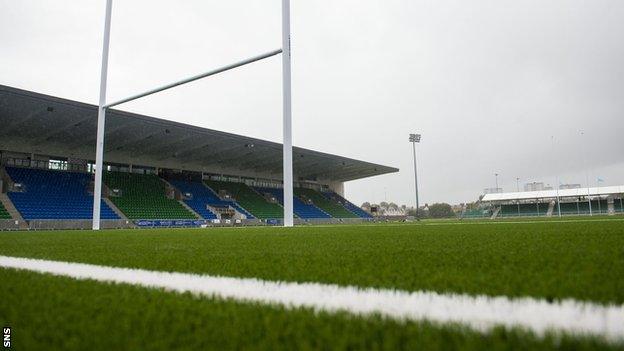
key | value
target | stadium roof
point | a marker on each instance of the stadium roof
(47, 125)
(549, 194)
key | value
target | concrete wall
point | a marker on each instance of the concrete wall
(77, 224)
(337, 187)
(9, 224)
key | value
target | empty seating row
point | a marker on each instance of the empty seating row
(48, 194)
(197, 201)
(618, 205)
(334, 209)
(567, 208)
(201, 197)
(513, 210)
(477, 213)
(582, 207)
(570, 208)
(301, 209)
(597, 207)
(249, 199)
(4, 214)
(347, 204)
(142, 196)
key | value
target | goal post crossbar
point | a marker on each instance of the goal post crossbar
(196, 77)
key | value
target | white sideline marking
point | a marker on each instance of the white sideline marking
(478, 312)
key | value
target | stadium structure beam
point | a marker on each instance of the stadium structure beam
(287, 123)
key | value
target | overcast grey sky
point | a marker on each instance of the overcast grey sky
(487, 82)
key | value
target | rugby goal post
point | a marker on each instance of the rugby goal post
(286, 101)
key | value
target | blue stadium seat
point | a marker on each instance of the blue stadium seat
(54, 195)
(203, 196)
(347, 204)
(301, 209)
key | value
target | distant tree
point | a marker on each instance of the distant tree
(393, 205)
(384, 204)
(441, 210)
(366, 204)
(422, 212)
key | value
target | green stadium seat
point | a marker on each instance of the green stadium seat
(534, 209)
(4, 214)
(334, 209)
(618, 205)
(476, 213)
(143, 197)
(249, 199)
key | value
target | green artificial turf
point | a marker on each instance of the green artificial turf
(57, 313)
(579, 259)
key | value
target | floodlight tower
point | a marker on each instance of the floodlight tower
(557, 182)
(518, 190)
(496, 180)
(415, 138)
(586, 176)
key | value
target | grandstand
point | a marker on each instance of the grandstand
(156, 172)
(574, 201)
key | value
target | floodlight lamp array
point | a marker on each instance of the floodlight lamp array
(414, 138)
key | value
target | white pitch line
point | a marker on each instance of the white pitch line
(481, 313)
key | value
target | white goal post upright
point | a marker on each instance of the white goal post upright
(287, 124)
(287, 115)
(101, 123)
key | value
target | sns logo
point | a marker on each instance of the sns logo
(6, 340)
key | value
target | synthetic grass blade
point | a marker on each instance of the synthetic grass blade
(478, 312)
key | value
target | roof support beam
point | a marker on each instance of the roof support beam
(219, 155)
(163, 147)
(42, 139)
(257, 160)
(182, 154)
(92, 139)
(208, 154)
(17, 122)
(129, 142)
